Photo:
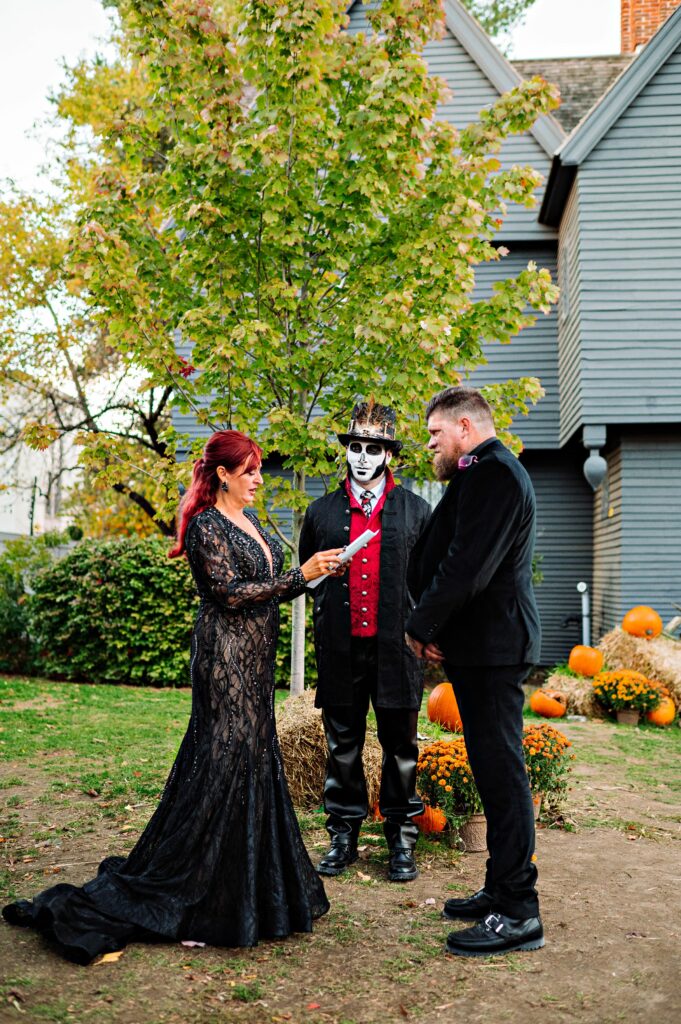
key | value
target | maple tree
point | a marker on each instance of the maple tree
(278, 201)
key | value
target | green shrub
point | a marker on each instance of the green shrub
(115, 612)
(19, 560)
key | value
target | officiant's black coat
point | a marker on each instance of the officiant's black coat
(471, 571)
(400, 674)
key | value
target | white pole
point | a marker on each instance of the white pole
(583, 589)
(298, 646)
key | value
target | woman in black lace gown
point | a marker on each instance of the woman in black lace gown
(222, 860)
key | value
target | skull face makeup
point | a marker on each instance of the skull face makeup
(367, 460)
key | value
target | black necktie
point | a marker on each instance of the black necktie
(366, 498)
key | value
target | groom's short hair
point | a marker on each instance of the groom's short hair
(460, 401)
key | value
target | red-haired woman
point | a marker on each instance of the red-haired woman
(222, 860)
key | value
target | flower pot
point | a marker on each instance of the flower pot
(473, 834)
(536, 803)
(628, 716)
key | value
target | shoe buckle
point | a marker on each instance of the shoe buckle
(494, 922)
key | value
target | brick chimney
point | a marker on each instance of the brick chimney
(640, 20)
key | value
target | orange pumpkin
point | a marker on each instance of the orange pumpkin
(548, 703)
(375, 813)
(432, 820)
(585, 661)
(642, 621)
(664, 713)
(443, 709)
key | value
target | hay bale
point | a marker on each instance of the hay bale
(580, 694)
(658, 659)
(303, 748)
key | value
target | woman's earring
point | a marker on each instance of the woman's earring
(224, 486)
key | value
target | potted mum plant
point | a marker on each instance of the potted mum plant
(445, 782)
(627, 693)
(548, 761)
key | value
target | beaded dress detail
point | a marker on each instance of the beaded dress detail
(221, 860)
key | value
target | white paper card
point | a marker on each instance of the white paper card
(347, 554)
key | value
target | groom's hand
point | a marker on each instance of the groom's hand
(431, 652)
(415, 646)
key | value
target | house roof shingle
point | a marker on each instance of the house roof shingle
(581, 80)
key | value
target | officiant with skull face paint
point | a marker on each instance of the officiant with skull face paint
(361, 654)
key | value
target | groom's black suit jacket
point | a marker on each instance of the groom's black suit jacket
(471, 570)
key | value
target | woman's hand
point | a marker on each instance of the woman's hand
(321, 564)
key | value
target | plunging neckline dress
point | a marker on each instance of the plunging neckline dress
(222, 860)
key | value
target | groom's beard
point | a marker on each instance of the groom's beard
(445, 466)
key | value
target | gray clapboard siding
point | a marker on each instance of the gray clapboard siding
(532, 353)
(629, 220)
(651, 522)
(607, 549)
(637, 528)
(564, 505)
(472, 91)
(569, 317)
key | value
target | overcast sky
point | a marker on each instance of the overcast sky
(37, 36)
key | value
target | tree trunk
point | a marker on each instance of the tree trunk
(298, 617)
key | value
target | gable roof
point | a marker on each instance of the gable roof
(581, 80)
(589, 132)
(498, 70)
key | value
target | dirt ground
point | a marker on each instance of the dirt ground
(609, 885)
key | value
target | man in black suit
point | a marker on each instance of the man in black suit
(471, 576)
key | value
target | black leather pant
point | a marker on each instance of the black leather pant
(491, 704)
(345, 791)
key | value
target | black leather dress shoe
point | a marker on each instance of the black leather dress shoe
(497, 934)
(402, 864)
(472, 908)
(337, 859)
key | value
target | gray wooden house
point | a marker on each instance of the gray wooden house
(608, 224)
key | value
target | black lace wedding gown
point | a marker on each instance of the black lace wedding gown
(222, 860)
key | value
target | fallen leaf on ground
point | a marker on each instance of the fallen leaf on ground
(365, 878)
(190, 942)
(111, 958)
(313, 1006)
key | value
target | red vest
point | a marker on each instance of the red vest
(363, 574)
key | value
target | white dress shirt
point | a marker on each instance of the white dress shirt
(376, 492)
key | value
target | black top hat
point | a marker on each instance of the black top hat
(372, 422)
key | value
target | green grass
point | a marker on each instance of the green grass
(106, 752)
(645, 757)
(11, 782)
(247, 992)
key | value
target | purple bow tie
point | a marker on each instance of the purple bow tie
(465, 461)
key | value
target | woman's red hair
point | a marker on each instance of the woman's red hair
(228, 448)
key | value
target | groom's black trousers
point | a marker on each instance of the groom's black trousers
(345, 792)
(491, 705)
